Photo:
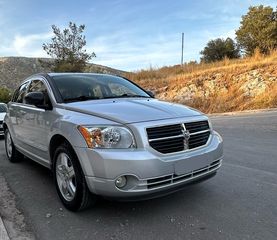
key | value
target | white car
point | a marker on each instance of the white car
(3, 110)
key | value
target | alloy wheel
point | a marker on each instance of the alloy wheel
(9, 146)
(65, 176)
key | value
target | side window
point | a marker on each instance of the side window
(20, 93)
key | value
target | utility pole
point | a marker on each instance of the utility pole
(182, 58)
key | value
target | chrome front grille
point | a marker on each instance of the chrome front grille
(172, 138)
(168, 145)
(164, 131)
(197, 126)
(198, 139)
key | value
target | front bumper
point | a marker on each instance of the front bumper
(148, 173)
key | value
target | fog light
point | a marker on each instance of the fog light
(120, 182)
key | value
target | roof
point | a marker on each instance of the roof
(52, 74)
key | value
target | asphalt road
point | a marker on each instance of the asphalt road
(239, 203)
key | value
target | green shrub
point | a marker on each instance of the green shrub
(5, 95)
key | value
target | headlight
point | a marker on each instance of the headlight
(107, 137)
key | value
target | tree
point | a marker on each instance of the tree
(218, 49)
(258, 29)
(5, 95)
(67, 49)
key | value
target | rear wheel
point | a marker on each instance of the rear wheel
(11, 151)
(70, 181)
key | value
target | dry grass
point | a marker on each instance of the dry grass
(173, 79)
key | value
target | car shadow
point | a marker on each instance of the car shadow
(40, 180)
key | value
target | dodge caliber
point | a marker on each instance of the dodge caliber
(104, 135)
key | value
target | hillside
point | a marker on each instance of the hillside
(15, 69)
(229, 85)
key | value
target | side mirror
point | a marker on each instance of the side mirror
(37, 99)
(151, 93)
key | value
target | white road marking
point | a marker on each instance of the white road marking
(3, 232)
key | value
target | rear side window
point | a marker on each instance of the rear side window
(20, 93)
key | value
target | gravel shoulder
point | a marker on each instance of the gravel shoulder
(12, 224)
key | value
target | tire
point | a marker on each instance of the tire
(70, 181)
(12, 153)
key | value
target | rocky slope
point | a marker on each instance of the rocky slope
(15, 69)
(251, 83)
(230, 85)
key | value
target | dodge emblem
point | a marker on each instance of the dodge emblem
(186, 135)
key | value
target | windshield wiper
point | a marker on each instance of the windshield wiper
(127, 96)
(80, 98)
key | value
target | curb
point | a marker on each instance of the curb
(3, 232)
(243, 112)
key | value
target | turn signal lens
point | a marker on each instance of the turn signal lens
(86, 134)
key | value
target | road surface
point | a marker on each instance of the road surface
(239, 203)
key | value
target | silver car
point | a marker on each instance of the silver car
(104, 135)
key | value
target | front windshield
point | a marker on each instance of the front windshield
(3, 108)
(81, 87)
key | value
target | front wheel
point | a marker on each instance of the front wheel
(11, 151)
(70, 181)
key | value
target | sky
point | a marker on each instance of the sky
(125, 34)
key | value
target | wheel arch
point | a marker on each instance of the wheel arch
(55, 142)
(85, 199)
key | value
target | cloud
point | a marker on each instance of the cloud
(30, 45)
(192, 16)
(125, 51)
(24, 45)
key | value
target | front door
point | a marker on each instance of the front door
(36, 124)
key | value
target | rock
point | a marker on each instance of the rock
(254, 83)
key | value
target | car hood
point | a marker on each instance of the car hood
(2, 115)
(131, 110)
